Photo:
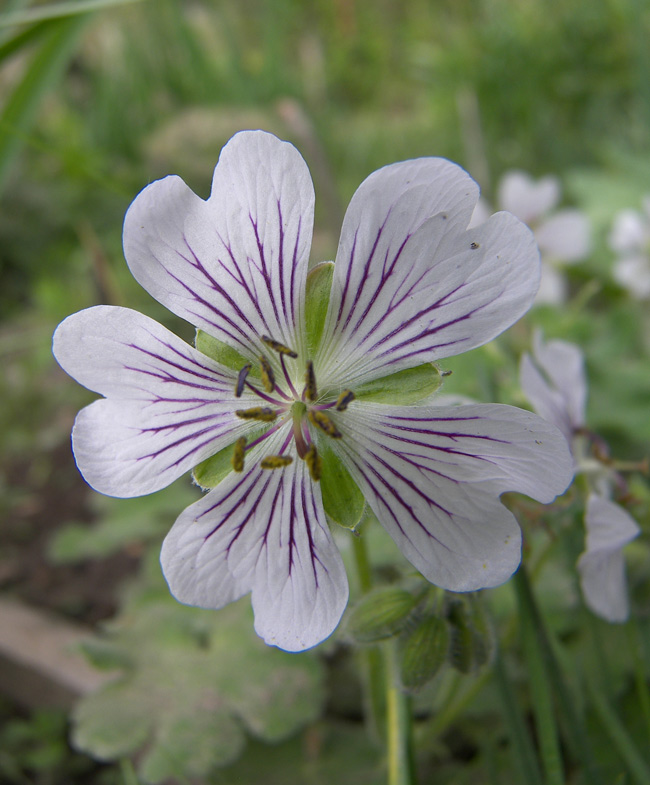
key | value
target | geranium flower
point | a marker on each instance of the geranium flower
(410, 285)
(563, 236)
(630, 240)
(554, 381)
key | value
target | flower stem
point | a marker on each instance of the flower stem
(573, 725)
(640, 678)
(540, 687)
(371, 658)
(398, 725)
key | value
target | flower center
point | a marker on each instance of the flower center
(283, 403)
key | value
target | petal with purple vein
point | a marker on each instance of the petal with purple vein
(168, 406)
(234, 265)
(433, 476)
(265, 532)
(428, 295)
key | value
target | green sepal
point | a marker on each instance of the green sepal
(404, 387)
(210, 472)
(381, 614)
(471, 644)
(423, 652)
(317, 297)
(222, 353)
(343, 501)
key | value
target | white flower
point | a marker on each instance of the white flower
(554, 381)
(601, 566)
(410, 285)
(563, 236)
(630, 240)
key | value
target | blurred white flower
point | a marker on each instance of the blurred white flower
(554, 381)
(563, 236)
(630, 240)
(601, 565)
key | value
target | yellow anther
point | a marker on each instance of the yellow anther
(322, 421)
(314, 462)
(275, 461)
(257, 413)
(278, 347)
(268, 377)
(241, 380)
(311, 393)
(238, 454)
(345, 398)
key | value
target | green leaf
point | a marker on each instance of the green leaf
(121, 523)
(423, 652)
(381, 614)
(195, 681)
(402, 388)
(319, 284)
(342, 499)
(222, 353)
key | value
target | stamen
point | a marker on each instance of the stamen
(238, 454)
(278, 347)
(314, 462)
(311, 393)
(241, 380)
(257, 413)
(322, 421)
(345, 398)
(268, 377)
(275, 461)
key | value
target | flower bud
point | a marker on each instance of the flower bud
(424, 650)
(381, 614)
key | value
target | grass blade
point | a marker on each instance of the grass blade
(44, 70)
(58, 11)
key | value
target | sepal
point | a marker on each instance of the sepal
(406, 387)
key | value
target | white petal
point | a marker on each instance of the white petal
(601, 566)
(527, 198)
(168, 406)
(552, 286)
(262, 531)
(433, 475)
(235, 265)
(633, 274)
(554, 382)
(565, 237)
(629, 233)
(410, 284)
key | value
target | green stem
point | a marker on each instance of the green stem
(540, 688)
(573, 725)
(525, 757)
(619, 736)
(398, 725)
(640, 676)
(371, 658)
(364, 572)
